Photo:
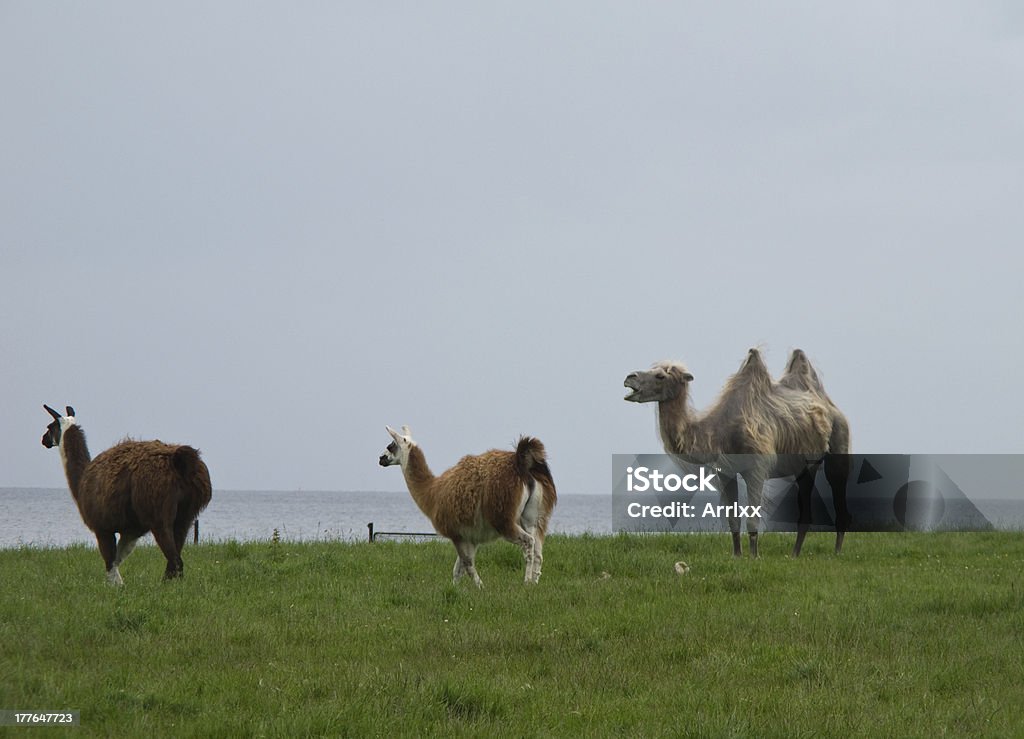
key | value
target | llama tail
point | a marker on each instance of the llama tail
(185, 460)
(532, 463)
(194, 475)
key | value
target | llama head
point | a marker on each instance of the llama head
(663, 381)
(55, 431)
(397, 451)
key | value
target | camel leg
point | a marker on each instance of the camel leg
(755, 489)
(837, 472)
(165, 540)
(731, 495)
(467, 553)
(805, 484)
(108, 550)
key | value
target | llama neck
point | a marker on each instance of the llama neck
(419, 479)
(74, 454)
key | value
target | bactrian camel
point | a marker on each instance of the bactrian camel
(757, 429)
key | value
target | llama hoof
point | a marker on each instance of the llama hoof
(114, 577)
(682, 568)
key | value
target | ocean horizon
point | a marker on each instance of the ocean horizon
(48, 517)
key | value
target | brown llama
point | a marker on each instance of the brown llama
(757, 429)
(495, 494)
(130, 489)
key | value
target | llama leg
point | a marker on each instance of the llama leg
(535, 555)
(458, 571)
(467, 553)
(521, 538)
(837, 472)
(731, 494)
(181, 528)
(165, 540)
(108, 550)
(538, 553)
(530, 525)
(125, 545)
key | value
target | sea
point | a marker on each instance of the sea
(48, 517)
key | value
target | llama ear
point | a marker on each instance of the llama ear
(406, 432)
(52, 412)
(392, 432)
(70, 411)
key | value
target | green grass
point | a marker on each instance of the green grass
(902, 635)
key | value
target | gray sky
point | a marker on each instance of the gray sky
(270, 229)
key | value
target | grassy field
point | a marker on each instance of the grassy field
(903, 635)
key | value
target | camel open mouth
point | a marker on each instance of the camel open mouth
(634, 391)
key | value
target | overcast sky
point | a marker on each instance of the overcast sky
(269, 229)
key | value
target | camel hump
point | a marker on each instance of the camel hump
(798, 362)
(800, 373)
(755, 362)
(754, 370)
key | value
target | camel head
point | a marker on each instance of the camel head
(58, 426)
(663, 381)
(397, 451)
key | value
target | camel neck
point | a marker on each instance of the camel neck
(75, 454)
(419, 479)
(675, 422)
